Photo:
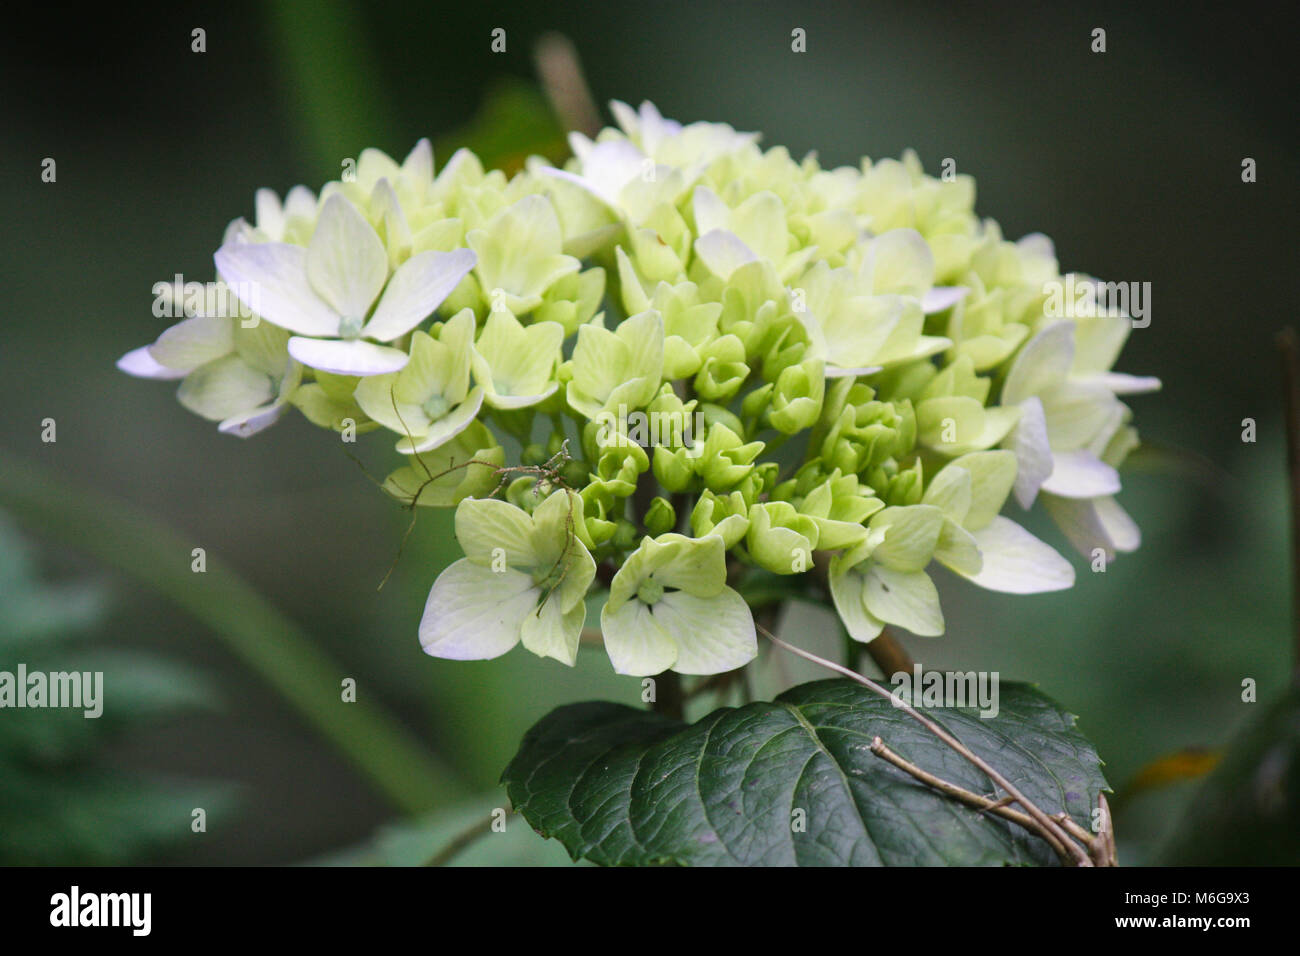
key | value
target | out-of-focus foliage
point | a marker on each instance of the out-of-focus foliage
(58, 803)
(1248, 811)
(479, 833)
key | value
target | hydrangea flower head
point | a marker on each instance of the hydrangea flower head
(676, 365)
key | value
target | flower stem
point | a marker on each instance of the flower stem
(669, 699)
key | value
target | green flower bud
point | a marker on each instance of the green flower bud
(673, 469)
(726, 458)
(724, 515)
(797, 401)
(660, 517)
(781, 539)
(723, 371)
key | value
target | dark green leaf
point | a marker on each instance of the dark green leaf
(620, 786)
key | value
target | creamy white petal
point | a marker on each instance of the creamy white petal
(252, 422)
(347, 358)
(710, 211)
(1080, 474)
(834, 371)
(1028, 440)
(1121, 384)
(1042, 364)
(610, 166)
(942, 297)
(723, 252)
(474, 613)
(417, 288)
(277, 275)
(1092, 523)
(346, 262)
(1016, 562)
(141, 364)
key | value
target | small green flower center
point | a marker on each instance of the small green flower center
(350, 327)
(650, 591)
(436, 407)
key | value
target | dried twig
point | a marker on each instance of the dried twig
(1044, 826)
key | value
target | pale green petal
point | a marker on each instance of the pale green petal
(264, 346)
(194, 342)
(958, 549)
(225, 388)
(992, 475)
(382, 397)
(848, 591)
(697, 566)
(910, 536)
(550, 632)
(905, 598)
(557, 527)
(1042, 364)
(446, 428)
(949, 422)
(636, 642)
(474, 613)
(519, 251)
(900, 262)
(760, 223)
(713, 635)
(950, 491)
(484, 525)
(516, 364)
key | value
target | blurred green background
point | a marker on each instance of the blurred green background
(1130, 160)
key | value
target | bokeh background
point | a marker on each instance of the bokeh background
(1130, 160)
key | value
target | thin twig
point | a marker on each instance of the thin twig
(1076, 854)
(481, 828)
(985, 804)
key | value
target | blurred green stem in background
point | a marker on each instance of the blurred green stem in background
(331, 78)
(394, 761)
